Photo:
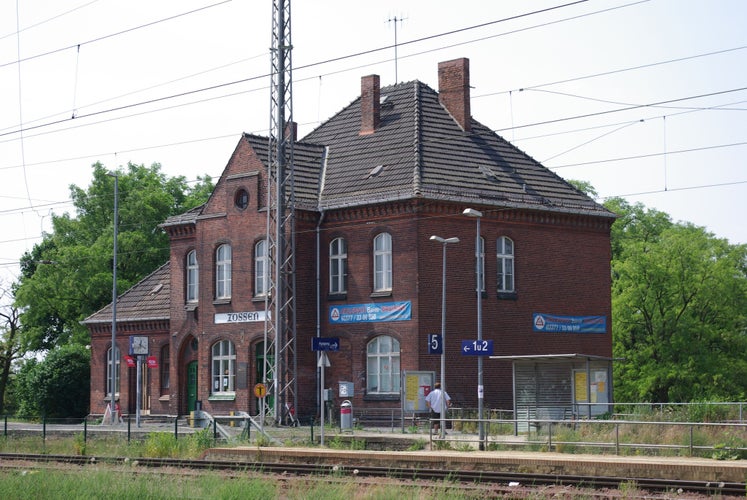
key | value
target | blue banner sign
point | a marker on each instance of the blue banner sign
(371, 313)
(477, 347)
(568, 324)
(325, 343)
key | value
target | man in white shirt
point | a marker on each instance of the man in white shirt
(436, 400)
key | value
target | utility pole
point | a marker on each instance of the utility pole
(280, 300)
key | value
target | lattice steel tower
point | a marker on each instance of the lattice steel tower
(280, 302)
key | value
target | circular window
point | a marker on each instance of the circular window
(241, 200)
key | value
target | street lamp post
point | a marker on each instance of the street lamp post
(113, 392)
(471, 212)
(444, 242)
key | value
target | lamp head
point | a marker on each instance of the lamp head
(444, 240)
(471, 212)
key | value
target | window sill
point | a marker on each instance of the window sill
(222, 397)
(383, 293)
(222, 301)
(381, 397)
(260, 298)
(337, 296)
(190, 306)
(507, 296)
(165, 397)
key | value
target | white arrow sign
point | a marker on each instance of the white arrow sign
(323, 360)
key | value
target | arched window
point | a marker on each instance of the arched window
(382, 262)
(338, 266)
(261, 269)
(223, 272)
(382, 362)
(192, 276)
(505, 254)
(109, 372)
(224, 367)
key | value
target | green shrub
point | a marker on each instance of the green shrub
(161, 445)
(417, 445)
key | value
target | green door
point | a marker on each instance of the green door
(191, 385)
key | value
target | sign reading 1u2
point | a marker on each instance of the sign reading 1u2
(434, 344)
(477, 347)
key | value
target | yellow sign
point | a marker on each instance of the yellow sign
(580, 385)
(260, 390)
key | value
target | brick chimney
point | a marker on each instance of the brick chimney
(291, 131)
(453, 90)
(370, 106)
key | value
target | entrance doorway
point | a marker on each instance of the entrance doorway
(191, 385)
(261, 376)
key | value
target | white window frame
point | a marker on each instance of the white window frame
(109, 372)
(223, 368)
(261, 269)
(223, 272)
(193, 276)
(506, 271)
(382, 254)
(338, 266)
(383, 365)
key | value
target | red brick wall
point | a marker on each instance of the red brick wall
(562, 266)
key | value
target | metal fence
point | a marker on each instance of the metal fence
(717, 430)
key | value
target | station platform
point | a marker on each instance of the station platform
(692, 469)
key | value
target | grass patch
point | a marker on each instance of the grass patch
(123, 484)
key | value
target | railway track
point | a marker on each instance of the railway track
(709, 488)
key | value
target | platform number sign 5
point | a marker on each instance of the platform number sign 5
(434, 344)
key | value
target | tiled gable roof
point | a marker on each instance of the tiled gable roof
(351, 176)
(418, 150)
(188, 217)
(307, 159)
(149, 299)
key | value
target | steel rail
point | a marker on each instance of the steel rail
(401, 473)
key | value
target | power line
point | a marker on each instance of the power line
(18, 31)
(615, 71)
(648, 155)
(686, 188)
(112, 35)
(627, 108)
(227, 84)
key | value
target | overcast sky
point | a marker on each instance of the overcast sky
(643, 99)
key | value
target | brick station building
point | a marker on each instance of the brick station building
(372, 185)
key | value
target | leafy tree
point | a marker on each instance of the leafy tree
(679, 306)
(56, 387)
(68, 276)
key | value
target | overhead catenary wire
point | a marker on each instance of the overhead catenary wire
(40, 23)
(110, 35)
(265, 75)
(528, 87)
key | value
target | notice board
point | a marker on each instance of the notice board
(415, 387)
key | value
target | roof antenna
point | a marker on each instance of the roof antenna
(395, 20)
